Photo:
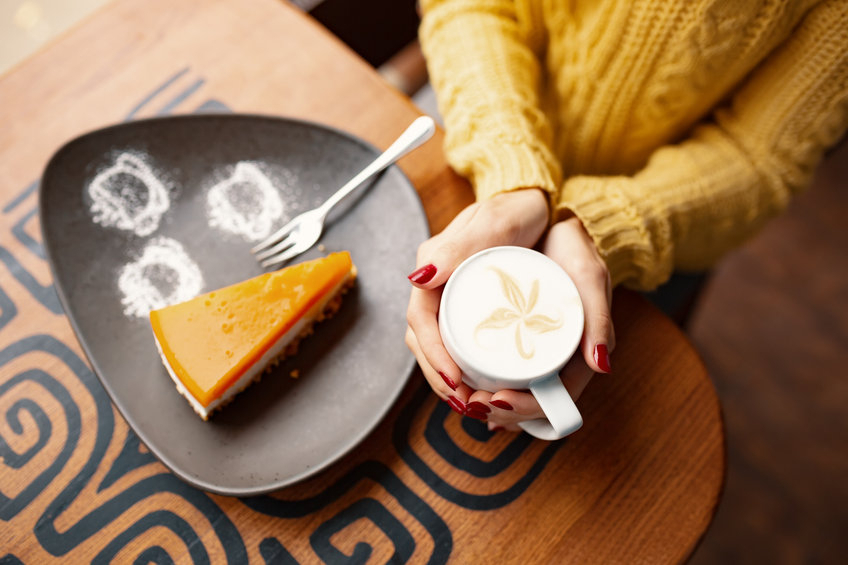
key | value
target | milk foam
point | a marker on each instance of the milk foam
(512, 314)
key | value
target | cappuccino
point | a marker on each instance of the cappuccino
(510, 318)
(511, 314)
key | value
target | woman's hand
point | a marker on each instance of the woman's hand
(568, 244)
(512, 218)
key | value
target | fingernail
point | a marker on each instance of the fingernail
(497, 429)
(502, 404)
(478, 407)
(476, 414)
(423, 275)
(448, 380)
(456, 404)
(602, 358)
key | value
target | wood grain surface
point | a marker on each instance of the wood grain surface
(638, 484)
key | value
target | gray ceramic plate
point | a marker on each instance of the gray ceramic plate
(352, 369)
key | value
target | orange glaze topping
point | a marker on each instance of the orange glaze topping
(211, 340)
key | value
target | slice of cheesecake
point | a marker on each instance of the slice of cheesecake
(216, 344)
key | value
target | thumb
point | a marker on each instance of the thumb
(569, 245)
(598, 335)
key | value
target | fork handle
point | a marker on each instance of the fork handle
(417, 133)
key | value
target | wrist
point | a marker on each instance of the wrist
(571, 226)
(530, 210)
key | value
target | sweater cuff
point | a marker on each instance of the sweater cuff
(632, 239)
(506, 167)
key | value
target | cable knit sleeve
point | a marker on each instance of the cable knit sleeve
(486, 77)
(694, 201)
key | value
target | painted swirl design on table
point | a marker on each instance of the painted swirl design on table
(501, 466)
(77, 485)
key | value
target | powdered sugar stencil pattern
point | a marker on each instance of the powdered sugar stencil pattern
(128, 196)
(246, 203)
(163, 275)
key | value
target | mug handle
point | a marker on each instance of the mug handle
(563, 418)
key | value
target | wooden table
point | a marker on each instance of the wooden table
(639, 483)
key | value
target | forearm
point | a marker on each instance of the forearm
(690, 205)
(694, 201)
(486, 77)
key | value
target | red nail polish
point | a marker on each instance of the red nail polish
(502, 404)
(497, 429)
(423, 275)
(477, 415)
(478, 407)
(602, 358)
(456, 405)
(448, 380)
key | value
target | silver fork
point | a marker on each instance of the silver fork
(304, 230)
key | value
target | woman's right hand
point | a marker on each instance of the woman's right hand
(517, 218)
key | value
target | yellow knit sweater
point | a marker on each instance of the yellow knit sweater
(672, 128)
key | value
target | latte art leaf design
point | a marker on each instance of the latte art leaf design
(521, 314)
(500, 318)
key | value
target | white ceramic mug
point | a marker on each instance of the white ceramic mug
(510, 318)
